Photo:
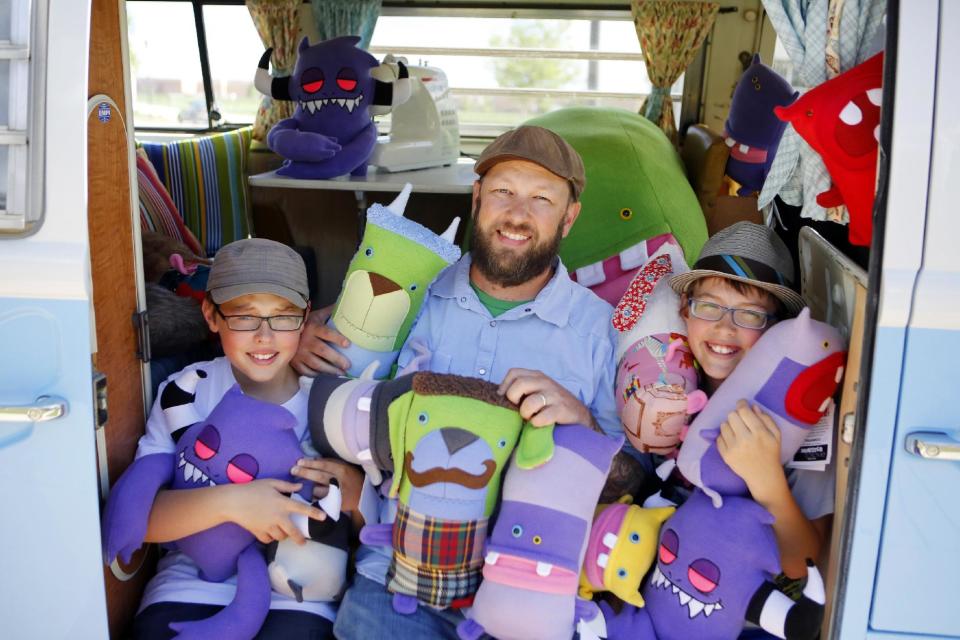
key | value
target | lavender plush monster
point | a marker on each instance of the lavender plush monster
(714, 570)
(386, 283)
(792, 373)
(241, 440)
(752, 131)
(533, 558)
(656, 384)
(331, 132)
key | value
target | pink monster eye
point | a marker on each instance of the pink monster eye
(669, 546)
(207, 443)
(347, 79)
(311, 80)
(703, 575)
(242, 468)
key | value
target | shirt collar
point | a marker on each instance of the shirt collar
(552, 304)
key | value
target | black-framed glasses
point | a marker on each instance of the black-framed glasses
(252, 323)
(745, 318)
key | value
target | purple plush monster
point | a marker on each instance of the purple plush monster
(241, 440)
(752, 131)
(331, 132)
(792, 373)
(533, 559)
(714, 570)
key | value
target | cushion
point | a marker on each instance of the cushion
(157, 211)
(206, 179)
(705, 158)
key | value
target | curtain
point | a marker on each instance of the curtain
(346, 18)
(278, 25)
(823, 38)
(670, 34)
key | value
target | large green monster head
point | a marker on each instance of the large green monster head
(450, 438)
(636, 186)
(387, 280)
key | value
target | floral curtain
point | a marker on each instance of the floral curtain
(823, 38)
(277, 24)
(346, 17)
(670, 34)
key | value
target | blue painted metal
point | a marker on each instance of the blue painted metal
(51, 573)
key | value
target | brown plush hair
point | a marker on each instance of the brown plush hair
(446, 384)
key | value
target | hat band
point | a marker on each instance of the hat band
(742, 267)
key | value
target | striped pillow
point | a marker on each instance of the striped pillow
(206, 179)
(157, 211)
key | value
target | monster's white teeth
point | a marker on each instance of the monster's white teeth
(350, 105)
(492, 557)
(182, 462)
(744, 148)
(197, 474)
(839, 375)
(695, 607)
(825, 405)
(875, 96)
(188, 471)
(610, 540)
(730, 142)
(602, 560)
(544, 569)
(312, 106)
(341, 101)
(204, 478)
(212, 483)
(851, 114)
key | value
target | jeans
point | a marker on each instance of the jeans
(366, 612)
(281, 624)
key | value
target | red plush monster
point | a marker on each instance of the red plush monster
(840, 119)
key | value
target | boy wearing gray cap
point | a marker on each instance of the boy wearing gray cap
(257, 298)
(739, 287)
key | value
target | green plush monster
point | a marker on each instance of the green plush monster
(385, 284)
(637, 197)
(450, 440)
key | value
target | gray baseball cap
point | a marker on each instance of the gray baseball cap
(258, 265)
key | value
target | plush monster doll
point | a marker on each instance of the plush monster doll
(656, 385)
(840, 120)
(637, 197)
(621, 548)
(317, 570)
(713, 571)
(752, 131)
(331, 132)
(242, 439)
(446, 439)
(791, 373)
(534, 555)
(386, 283)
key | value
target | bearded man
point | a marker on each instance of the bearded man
(506, 312)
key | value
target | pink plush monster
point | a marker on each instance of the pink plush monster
(656, 386)
(792, 373)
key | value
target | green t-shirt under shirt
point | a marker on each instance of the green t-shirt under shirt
(496, 306)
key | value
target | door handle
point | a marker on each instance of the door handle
(45, 408)
(933, 445)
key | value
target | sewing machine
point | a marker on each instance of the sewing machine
(424, 131)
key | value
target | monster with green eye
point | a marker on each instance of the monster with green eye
(386, 283)
(637, 197)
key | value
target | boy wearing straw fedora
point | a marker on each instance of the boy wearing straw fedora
(739, 287)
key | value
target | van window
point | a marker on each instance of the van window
(21, 146)
(504, 67)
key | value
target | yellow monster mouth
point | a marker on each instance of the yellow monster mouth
(371, 311)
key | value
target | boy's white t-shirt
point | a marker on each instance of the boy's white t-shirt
(177, 578)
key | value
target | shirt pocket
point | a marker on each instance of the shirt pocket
(440, 362)
(574, 386)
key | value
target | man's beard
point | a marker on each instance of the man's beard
(507, 268)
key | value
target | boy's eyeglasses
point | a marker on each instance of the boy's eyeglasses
(252, 323)
(745, 318)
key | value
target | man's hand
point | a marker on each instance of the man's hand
(321, 470)
(261, 508)
(315, 355)
(543, 401)
(749, 442)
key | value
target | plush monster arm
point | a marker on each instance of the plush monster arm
(784, 618)
(128, 507)
(288, 140)
(243, 617)
(377, 535)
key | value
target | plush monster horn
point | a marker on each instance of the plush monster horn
(451, 231)
(276, 88)
(400, 202)
(389, 95)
